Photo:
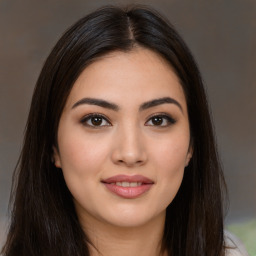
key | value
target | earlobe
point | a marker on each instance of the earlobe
(56, 157)
(189, 155)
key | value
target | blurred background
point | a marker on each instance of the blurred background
(222, 37)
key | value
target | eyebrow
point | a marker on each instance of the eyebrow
(113, 106)
(97, 102)
(160, 101)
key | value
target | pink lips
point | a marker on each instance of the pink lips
(131, 191)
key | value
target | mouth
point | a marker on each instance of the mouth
(129, 187)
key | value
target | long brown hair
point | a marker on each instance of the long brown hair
(43, 220)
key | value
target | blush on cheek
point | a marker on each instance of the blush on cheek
(76, 151)
(172, 168)
(172, 155)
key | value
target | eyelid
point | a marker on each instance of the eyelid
(87, 117)
(166, 116)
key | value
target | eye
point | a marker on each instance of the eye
(95, 120)
(161, 120)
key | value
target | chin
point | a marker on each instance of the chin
(128, 218)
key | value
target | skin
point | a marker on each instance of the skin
(126, 142)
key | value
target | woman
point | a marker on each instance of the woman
(119, 155)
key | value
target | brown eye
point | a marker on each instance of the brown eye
(162, 120)
(95, 120)
(157, 120)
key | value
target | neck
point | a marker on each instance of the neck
(109, 240)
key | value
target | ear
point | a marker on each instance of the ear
(189, 155)
(56, 157)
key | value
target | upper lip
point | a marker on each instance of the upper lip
(127, 178)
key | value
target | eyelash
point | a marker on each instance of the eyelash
(95, 115)
(167, 118)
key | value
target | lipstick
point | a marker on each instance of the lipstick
(129, 187)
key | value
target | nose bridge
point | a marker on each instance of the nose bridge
(129, 146)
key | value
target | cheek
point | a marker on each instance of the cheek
(81, 152)
(82, 162)
(170, 160)
(171, 154)
(82, 159)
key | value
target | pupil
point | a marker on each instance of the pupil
(157, 120)
(96, 120)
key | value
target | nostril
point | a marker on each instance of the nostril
(129, 154)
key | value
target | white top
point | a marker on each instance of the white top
(236, 246)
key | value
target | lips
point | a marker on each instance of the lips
(128, 186)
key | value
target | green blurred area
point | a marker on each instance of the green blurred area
(246, 232)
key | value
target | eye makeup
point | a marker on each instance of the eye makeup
(96, 120)
(160, 120)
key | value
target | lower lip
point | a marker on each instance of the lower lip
(128, 192)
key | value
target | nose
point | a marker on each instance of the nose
(129, 148)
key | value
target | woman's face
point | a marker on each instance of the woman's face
(123, 139)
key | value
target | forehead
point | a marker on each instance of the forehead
(137, 75)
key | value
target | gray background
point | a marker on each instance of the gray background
(222, 37)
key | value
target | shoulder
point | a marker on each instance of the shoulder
(234, 245)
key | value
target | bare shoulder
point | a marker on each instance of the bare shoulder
(234, 246)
